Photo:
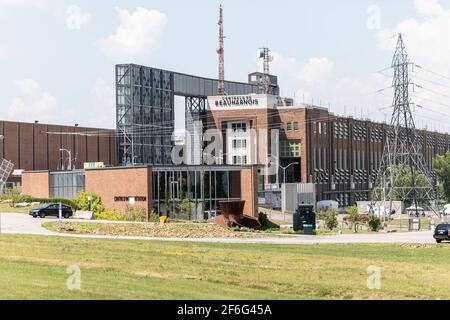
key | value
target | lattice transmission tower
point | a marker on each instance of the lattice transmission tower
(221, 53)
(403, 153)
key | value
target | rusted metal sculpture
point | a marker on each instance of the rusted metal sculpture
(233, 216)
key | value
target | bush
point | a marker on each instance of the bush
(266, 224)
(67, 202)
(374, 223)
(135, 213)
(154, 217)
(110, 215)
(329, 217)
(354, 217)
(81, 201)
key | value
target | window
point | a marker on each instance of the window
(239, 144)
(290, 149)
(292, 126)
(239, 127)
(289, 126)
(239, 159)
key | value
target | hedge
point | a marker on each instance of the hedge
(68, 202)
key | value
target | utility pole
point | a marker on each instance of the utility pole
(402, 149)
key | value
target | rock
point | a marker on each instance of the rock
(22, 205)
(84, 215)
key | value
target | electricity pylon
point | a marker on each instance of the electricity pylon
(402, 149)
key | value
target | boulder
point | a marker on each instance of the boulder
(84, 215)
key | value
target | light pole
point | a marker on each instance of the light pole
(285, 168)
(70, 157)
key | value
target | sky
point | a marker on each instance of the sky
(57, 57)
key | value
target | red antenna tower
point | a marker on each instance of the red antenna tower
(264, 53)
(220, 52)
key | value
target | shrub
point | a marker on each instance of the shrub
(81, 201)
(185, 207)
(266, 224)
(329, 217)
(133, 213)
(154, 217)
(68, 202)
(331, 221)
(374, 223)
(353, 216)
(110, 215)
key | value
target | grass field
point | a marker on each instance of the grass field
(33, 267)
(5, 207)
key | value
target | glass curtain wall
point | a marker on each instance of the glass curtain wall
(66, 185)
(202, 188)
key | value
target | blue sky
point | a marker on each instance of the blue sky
(58, 56)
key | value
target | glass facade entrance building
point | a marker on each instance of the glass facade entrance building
(203, 186)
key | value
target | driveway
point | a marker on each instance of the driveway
(15, 223)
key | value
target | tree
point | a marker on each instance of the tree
(330, 218)
(353, 216)
(441, 166)
(186, 206)
(402, 179)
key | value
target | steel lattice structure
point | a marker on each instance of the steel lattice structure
(402, 149)
(6, 168)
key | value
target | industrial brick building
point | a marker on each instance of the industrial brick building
(37, 146)
(340, 155)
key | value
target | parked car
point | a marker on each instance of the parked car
(52, 209)
(442, 232)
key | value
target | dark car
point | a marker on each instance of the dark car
(442, 232)
(52, 209)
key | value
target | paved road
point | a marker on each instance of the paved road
(14, 223)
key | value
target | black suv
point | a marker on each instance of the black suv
(52, 209)
(442, 232)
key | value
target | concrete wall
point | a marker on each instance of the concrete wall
(36, 184)
(111, 183)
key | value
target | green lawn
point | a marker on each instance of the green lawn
(33, 267)
(5, 207)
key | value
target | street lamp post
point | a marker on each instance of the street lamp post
(285, 168)
(70, 157)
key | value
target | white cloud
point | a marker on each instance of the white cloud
(316, 81)
(76, 18)
(316, 70)
(4, 52)
(24, 3)
(33, 103)
(137, 35)
(102, 114)
(426, 40)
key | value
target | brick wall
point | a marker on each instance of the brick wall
(36, 184)
(249, 190)
(29, 146)
(121, 182)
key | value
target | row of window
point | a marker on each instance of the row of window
(239, 127)
(239, 144)
(239, 159)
